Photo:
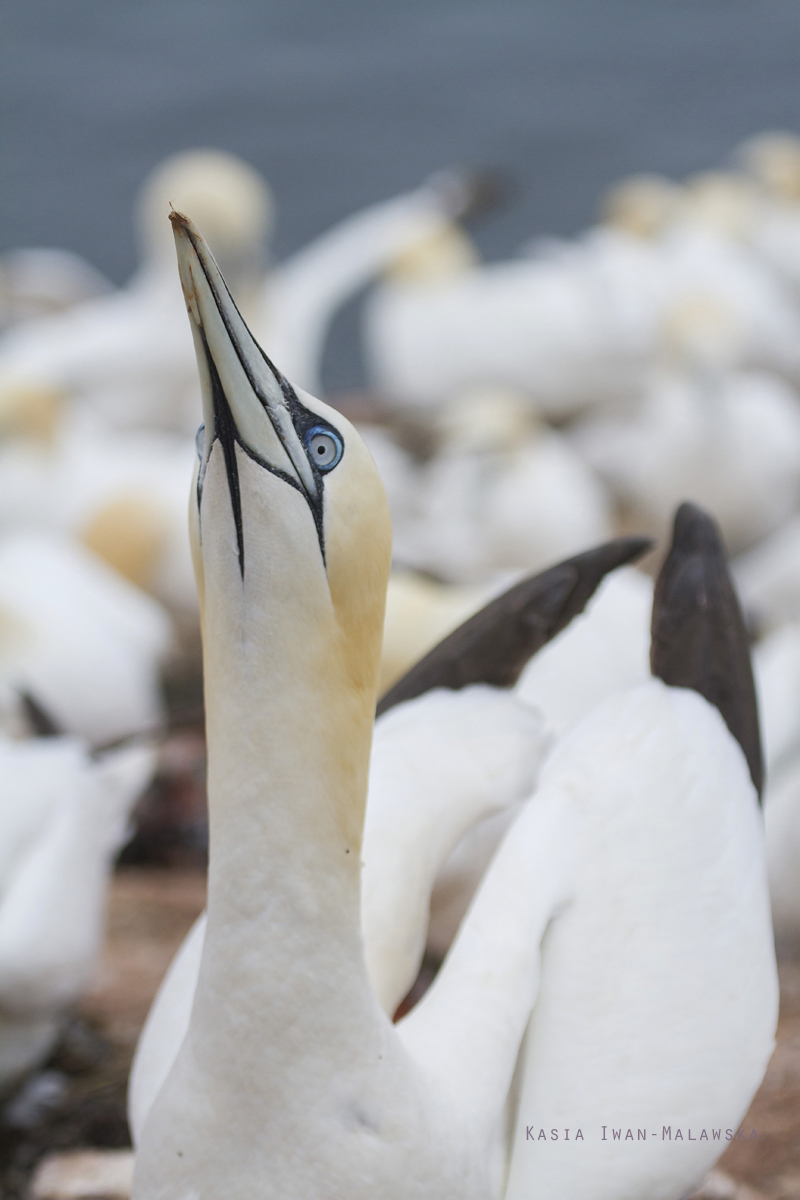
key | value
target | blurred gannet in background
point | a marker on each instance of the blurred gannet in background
(86, 645)
(772, 160)
(288, 500)
(63, 817)
(504, 492)
(39, 282)
(729, 438)
(576, 324)
(302, 294)
(708, 260)
(768, 577)
(128, 357)
(554, 327)
(776, 661)
(121, 494)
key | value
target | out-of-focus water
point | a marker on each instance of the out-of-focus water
(343, 102)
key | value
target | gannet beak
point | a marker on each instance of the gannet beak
(246, 400)
(699, 639)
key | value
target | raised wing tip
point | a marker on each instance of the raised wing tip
(698, 635)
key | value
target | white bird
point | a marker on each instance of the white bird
(302, 294)
(121, 494)
(776, 662)
(768, 577)
(603, 650)
(729, 439)
(283, 1013)
(772, 161)
(576, 324)
(83, 642)
(503, 493)
(444, 765)
(38, 281)
(564, 327)
(128, 357)
(388, 1110)
(63, 817)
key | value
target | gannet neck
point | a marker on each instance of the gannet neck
(289, 726)
(292, 548)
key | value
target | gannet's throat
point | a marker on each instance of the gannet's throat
(247, 400)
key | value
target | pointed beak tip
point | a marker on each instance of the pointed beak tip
(180, 223)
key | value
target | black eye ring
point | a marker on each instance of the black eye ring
(325, 447)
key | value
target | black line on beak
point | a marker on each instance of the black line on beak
(699, 639)
(495, 644)
(225, 431)
(300, 415)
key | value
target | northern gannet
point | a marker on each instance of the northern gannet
(283, 1014)
(658, 998)
(729, 438)
(443, 762)
(576, 324)
(127, 357)
(772, 161)
(39, 281)
(503, 492)
(63, 817)
(292, 544)
(82, 641)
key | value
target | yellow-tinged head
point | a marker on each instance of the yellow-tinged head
(292, 543)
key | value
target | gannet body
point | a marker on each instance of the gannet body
(128, 357)
(63, 817)
(287, 503)
(729, 439)
(504, 492)
(768, 577)
(664, 957)
(624, 1036)
(776, 662)
(341, 1097)
(576, 325)
(38, 281)
(301, 295)
(122, 494)
(452, 757)
(438, 764)
(561, 327)
(83, 642)
(603, 650)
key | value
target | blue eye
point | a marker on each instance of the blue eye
(325, 447)
(200, 441)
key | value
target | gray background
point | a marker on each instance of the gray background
(343, 102)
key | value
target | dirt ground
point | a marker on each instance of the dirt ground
(151, 909)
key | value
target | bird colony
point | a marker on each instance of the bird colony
(580, 798)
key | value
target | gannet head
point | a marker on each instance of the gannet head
(290, 523)
(642, 206)
(227, 196)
